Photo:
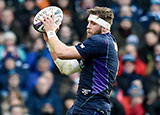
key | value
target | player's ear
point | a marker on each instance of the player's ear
(104, 30)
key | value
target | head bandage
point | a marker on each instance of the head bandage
(99, 21)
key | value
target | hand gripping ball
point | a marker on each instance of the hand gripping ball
(48, 11)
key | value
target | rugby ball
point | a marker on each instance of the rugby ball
(38, 25)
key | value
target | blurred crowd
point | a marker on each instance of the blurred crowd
(30, 83)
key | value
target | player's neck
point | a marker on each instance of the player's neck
(105, 31)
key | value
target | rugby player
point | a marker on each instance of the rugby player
(96, 58)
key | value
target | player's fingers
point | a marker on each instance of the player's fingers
(53, 16)
(50, 19)
(41, 20)
(45, 18)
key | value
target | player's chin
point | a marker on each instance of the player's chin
(89, 35)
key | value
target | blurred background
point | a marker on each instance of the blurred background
(30, 83)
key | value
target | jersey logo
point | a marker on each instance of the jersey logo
(115, 46)
(85, 91)
(82, 64)
(82, 46)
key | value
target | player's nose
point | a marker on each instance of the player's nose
(88, 26)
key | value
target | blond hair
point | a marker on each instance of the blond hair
(103, 12)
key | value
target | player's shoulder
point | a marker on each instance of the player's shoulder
(97, 38)
(110, 37)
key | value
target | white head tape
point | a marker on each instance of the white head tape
(99, 21)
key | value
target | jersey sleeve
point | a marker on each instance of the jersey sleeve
(92, 47)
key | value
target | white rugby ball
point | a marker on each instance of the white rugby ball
(38, 25)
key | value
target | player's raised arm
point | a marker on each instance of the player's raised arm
(61, 50)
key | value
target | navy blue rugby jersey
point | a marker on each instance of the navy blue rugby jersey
(99, 69)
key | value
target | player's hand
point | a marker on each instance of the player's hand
(49, 23)
(45, 36)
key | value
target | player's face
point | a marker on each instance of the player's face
(93, 28)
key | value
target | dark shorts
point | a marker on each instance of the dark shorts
(74, 110)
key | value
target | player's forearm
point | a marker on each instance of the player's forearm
(53, 55)
(62, 51)
(58, 47)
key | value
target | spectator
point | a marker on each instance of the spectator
(17, 110)
(41, 67)
(10, 48)
(125, 10)
(80, 18)
(143, 4)
(14, 83)
(157, 49)
(140, 66)
(154, 106)
(41, 95)
(24, 13)
(68, 18)
(136, 10)
(117, 107)
(128, 74)
(146, 52)
(133, 39)
(65, 4)
(125, 28)
(155, 26)
(49, 75)
(30, 38)
(10, 68)
(14, 98)
(68, 101)
(2, 7)
(10, 23)
(154, 80)
(66, 35)
(137, 98)
(38, 51)
(153, 14)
